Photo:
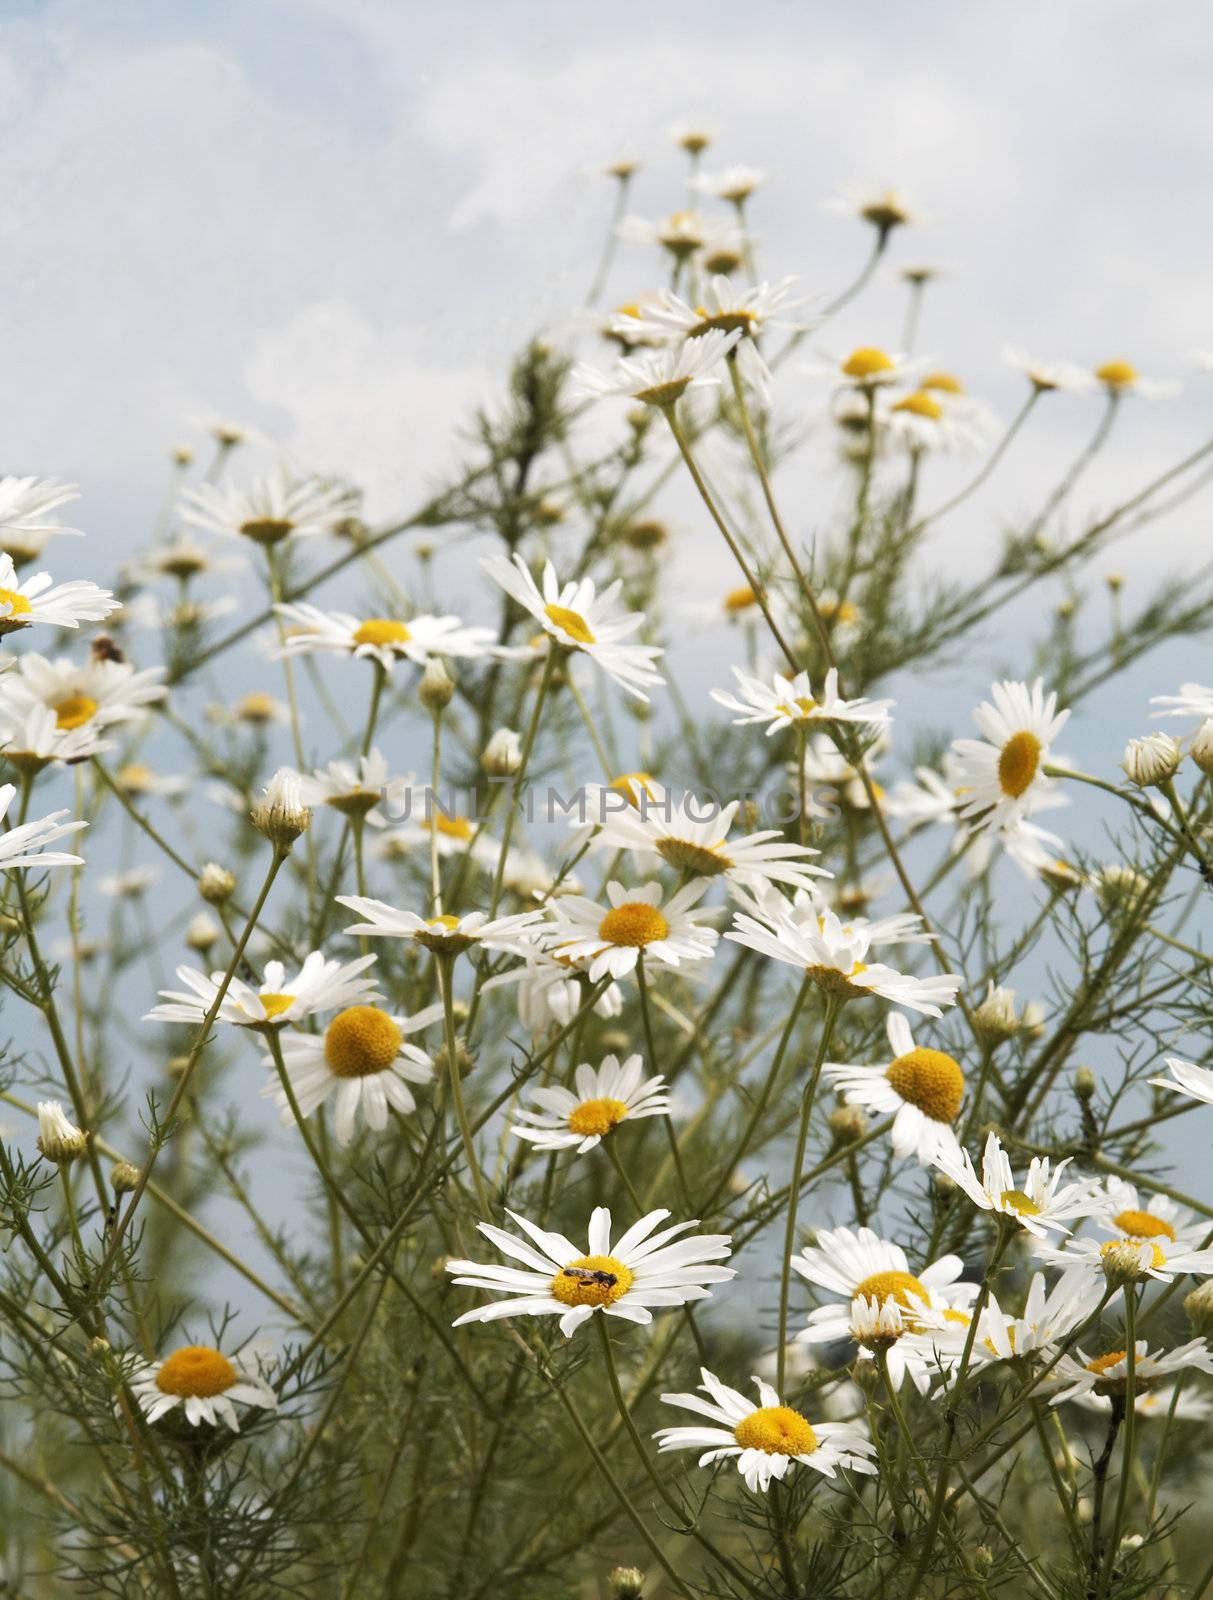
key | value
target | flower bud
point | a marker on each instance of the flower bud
(464, 1059)
(847, 1124)
(626, 1583)
(216, 884)
(58, 1139)
(436, 686)
(1120, 888)
(124, 1177)
(1202, 747)
(1152, 760)
(983, 1559)
(1124, 1261)
(202, 933)
(995, 1018)
(1115, 581)
(1199, 1308)
(280, 814)
(645, 533)
(502, 756)
(1084, 1083)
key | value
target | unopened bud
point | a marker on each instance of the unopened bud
(59, 1140)
(1199, 1308)
(216, 884)
(464, 1059)
(995, 1018)
(983, 1558)
(1084, 1083)
(1115, 581)
(645, 534)
(1120, 888)
(124, 1177)
(202, 933)
(176, 1066)
(847, 1124)
(280, 814)
(502, 756)
(1124, 1261)
(1152, 760)
(436, 686)
(626, 1583)
(1202, 747)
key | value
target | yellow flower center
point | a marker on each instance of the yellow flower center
(266, 530)
(739, 600)
(360, 1041)
(1020, 1202)
(570, 622)
(135, 777)
(451, 827)
(901, 1287)
(930, 1080)
(256, 707)
(381, 631)
(630, 784)
(777, 1431)
(802, 706)
(1102, 1364)
(1018, 762)
(633, 924)
(884, 213)
(847, 611)
(596, 1117)
(921, 405)
(591, 1281)
(275, 1004)
(721, 321)
(1117, 374)
(74, 710)
(18, 605)
(196, 1372)
(1144, 1225)
(943, 382)
(866, 362)
(706, 861)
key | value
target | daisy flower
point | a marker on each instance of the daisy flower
(551, 988)
(36, 739)
(868, 367)
(1048, 1319)
(786, 702)
(1154, 1403)
(642, 1271)
(319, 985)
(356, 789)
(882, 1299)
(25, 844)
(1194, 1081)
(1155, 1256)
(681, 233)
(26, 525)
(765, 1440)
(362, 1059)
(885, 209)
(206, 1383)
(636, 921)
(658, 377)
(922, 421)
(605, 1096)
(1193, 700)
(1001, 778)
(274, 508)
(386, 640)
(184, 559)
(444, 935)
(1041, 1203)
(1157, 1217)
(735, 184)
(128, 885)
(835, 955)
(1122, 377)
(693, 837)
(579, 618)
(1047, 376)
(101, 691)
(1108, 1374)
(920, 1088)
(33, 599)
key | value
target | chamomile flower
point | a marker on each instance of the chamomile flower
(273, 508)
(205, 1383)
(1107, 1375)
(552, 989)
(25, 844)
(1118, 378)
(790, 702)
(1048, 1319)
(835, 955)
(921, 421)
(867, 367)
(579, 618)
(1154, 1254)
(735, 184)
(1193, 700)
(356, 789)
(1042, 1202)
(35, 739)
(99, 691)
(765, 1440)
(1187, 1078)
(1188, 1407)
(680, 234)
(1001, 777)
(25, 601)
(447, 934)
(1126, 1211)
(884, 209)
(132, 884)
(922, 1089)
(311, 631)
(362, 1060)
(694, 837)
(183, 558)
(605, 1096)
(635, 922)
(1048, 376)
(319, 985)
(659, 377)
(26, 523)
(642, 1271)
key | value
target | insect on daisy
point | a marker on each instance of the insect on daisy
(319, 985)
(385, 640)
(1041, 1203)
(579, 618)
(605, 1096)
(447, 934)
(787, 702)
(38, 599)
(922, 1089)
(636, 922)
(765, 1441)
(25, 844)
(205, 1383)
(274, 508)
(1001, 778)
(643, 1271)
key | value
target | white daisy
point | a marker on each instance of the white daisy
(885, 209)
(923, 421)
(447, 934)
(357, 789)
(273, 508)
(867, 367)
(1193, 700)
(101, 690)
(1047, 1320)
(363, 1059)
(658, 377)
(1122, 377)
(36, 739)
(835, 955)
(1154, 1403)
(1040, 1203)
(1156, 1257)
(643, 1270)
(551, 988)
(682, 233)
(1194, 1081)
(386, 640)
(1047, 376)
(26, 525)
(1001, 778)
(136, 778)
(922, 1089)
(319, 985)
(787, 702)
(65, 605)
(636, 920)
(183, 558)
(206, 1383)
(579, 618)
(735, 184)
(764, 1440)
(605, 1096)
(25, 844)
(128, 885)
(1107, 1375)
(1126, 1211)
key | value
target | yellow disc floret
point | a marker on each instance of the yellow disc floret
(943, 383)
(570, 622)
(867, 362)
(596, 1117)
(266, 530)
(1117, 374)
(451, 827)
(739, 600)
(1020, 1202)
(381, 631)
(921, 405)
(360, 1041)
(902, 1287)
(777, 1431)
(591, 1281)
(631, 783)
(633, 924)
(275, 1004)
(1104, 1363)
(930, 1080)
(17, 606)
(705, 861)
(74, 710)
(196, 1371)
(1018, 763)
(1143, 1225)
